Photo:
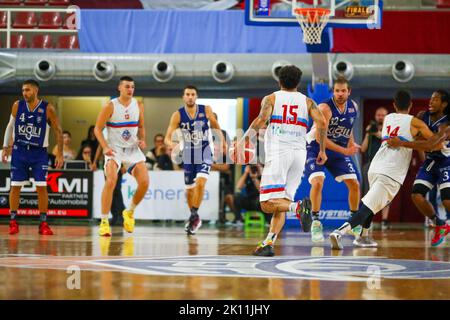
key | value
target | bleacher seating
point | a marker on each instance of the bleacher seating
(65, 3)
(3, 17)
(10, 2)
(68, 42)
(69, 21)
(18, 41)
(42, 41)
(443, 4)
(25, 20)
(50, 20)
(40, 3)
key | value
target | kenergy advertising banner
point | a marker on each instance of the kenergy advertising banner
(165, 198)
(69, 194)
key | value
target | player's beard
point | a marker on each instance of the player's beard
(341, 101)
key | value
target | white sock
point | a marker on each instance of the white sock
(365, 232)
(345, 228)
(105, 216)
(292, 206)
(271, 237)
(132, 205)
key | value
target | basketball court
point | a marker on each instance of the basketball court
(160, 262)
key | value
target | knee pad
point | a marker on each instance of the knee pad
(421, 189)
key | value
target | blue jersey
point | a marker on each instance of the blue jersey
(31, 127)
(341, 123)
(195, 131)
(434, 127)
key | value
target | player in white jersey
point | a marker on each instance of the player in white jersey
(387, 170)
(288, 112)
(124, 121)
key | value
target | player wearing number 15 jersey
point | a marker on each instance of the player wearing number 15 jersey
(287, 111)
(387, 170)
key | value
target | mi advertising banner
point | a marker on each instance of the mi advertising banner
(165, 198)
(69, 194)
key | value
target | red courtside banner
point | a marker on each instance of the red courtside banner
(69, 195)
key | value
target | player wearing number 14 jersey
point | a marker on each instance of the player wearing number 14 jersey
(387, 170)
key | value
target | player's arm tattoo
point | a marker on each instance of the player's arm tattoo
(320, 122)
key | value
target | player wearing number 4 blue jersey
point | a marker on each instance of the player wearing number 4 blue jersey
(340, 113)
(196, 145)
(28, 129)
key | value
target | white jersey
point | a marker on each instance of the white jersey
(122, 127)
(288, 123)
(394, 162)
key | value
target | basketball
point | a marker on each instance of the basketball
(243, 156)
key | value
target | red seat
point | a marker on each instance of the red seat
(25, 20)
(35, 2)
(42, 41)
(18, 41)
(68, 42)
(70, 21)
(11, 2)
(3, 17)
(50, 20)
(443, 4)
(59, 3)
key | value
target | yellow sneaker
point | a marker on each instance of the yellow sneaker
(128, 220)
(105, 243)
(128, 247)
(105, 229)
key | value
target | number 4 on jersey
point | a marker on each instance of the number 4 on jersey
(394, 132)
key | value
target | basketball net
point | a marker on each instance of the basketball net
(312, 21)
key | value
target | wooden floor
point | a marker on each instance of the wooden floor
(163, 263)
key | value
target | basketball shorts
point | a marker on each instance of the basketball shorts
(29, 162)
(340, 166)
(382, 190)
(434, 172)
(128, 157)
(282, 175)
(196, 164)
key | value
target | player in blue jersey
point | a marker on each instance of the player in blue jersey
(26, 140)
(435, 171)
(196, 144)
(340, 113)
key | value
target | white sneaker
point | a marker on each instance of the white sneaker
(365, 242)
(336, 240)
(316, 231)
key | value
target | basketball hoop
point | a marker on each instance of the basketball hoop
(312, 21)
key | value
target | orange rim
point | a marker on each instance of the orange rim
(316, 13)
(304, 11)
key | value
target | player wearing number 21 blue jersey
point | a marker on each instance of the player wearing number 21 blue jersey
(194, 121)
